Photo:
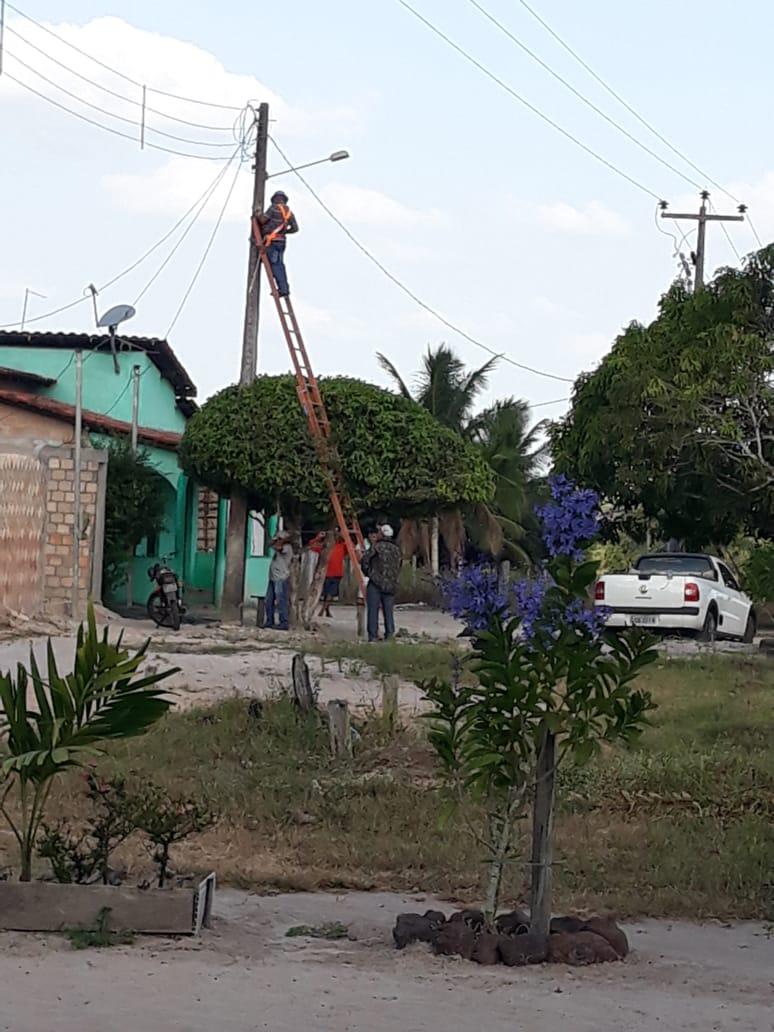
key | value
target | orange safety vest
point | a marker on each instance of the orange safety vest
(280, 230)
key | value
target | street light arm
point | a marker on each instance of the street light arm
(336, 156)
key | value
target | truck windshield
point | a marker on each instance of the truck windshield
(677, 565)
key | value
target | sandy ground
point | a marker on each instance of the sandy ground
(246, 975)
(215, 662)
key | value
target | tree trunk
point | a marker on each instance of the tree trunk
(314, 591)
(496, 868)
(542, 837)
(434, 560)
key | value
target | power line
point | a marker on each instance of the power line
(111, 114)
(141, 259)
(202, 202)
(112, 93)
(752, 227)
(581, 96)
(207, 249)
(535, 110)
(621, 100)
(115, 71)
(402, 286)
(107, 128)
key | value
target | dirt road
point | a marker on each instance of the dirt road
(246, 975)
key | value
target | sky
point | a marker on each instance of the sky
(490, 216)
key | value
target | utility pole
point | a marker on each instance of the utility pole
(135, 405)
(77, 484)
(234, 578)
(702, 218)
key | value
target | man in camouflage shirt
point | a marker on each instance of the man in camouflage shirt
(381, 564)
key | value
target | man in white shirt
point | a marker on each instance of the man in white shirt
(278, 593)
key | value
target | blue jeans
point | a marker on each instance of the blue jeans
(276, 254)
(277, 595)
(377, 599)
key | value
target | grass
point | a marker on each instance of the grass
(681, 825)
(98, 937)
(409, 660)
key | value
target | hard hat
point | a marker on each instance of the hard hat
(280, 196)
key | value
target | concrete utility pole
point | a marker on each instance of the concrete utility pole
(77, 483)
(702, 218)
(234, 578)
(135, 405)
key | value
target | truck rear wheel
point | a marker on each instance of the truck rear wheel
(750, 629)
(709, 631)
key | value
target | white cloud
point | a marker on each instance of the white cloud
(361, 206)
(170, 184)
(593, 219)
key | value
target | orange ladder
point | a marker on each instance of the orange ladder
(313, 405)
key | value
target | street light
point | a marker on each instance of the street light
(339, 155)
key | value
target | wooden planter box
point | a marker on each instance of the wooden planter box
(51, 907)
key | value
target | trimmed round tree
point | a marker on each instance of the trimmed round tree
(397, 460)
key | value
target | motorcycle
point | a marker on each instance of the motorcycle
(165, 602)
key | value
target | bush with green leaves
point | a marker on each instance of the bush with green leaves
(396, 457)
(552, 682)
(83, 855)
(103, 698)
(758, 573)
(166, 820)
(134, 505)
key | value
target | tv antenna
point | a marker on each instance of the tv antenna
(112, 319)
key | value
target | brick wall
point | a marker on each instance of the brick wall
(207, 524)
(37, 519)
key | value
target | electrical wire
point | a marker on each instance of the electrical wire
(112, 114)
(402, 286)
(581, 96)
(106, 89)
(207, 249)
(517, 96)
(138, 261)
(115, 71)
(621, 100)
(107, 128)
(203, 201)
(542, 404)
(752, 227)
(726, 233)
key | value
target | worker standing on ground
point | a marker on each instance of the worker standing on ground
(275, 224)
(381, 564)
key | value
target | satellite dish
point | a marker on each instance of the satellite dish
(111, 319)
(116, 315)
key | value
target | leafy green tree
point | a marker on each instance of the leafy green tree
(677, 422)
(396, 458)
(101, 700)
(134, 505)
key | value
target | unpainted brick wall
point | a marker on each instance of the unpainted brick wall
(37, 518)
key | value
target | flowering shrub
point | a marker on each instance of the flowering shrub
(548, 670)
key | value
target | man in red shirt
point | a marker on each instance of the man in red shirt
(334, 571)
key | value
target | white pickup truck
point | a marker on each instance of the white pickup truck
(678, 593)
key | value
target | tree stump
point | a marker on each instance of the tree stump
(339, 727)
(303, 696)
(390, 700)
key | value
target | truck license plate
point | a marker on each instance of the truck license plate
(644, 621)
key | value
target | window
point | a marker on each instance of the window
(677, 566)
(728, 578)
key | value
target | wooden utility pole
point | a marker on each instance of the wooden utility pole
(702, 218)
(234, 578)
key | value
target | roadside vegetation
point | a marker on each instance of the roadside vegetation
(680, 825)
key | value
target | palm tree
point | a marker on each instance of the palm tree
(446, 389)
(514, 452)
(443, 386)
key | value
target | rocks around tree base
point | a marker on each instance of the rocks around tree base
(573, 940)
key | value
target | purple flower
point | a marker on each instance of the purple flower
(544, 613)
(570, 519)
(476, 596)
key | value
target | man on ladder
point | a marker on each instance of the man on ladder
(275, 224)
